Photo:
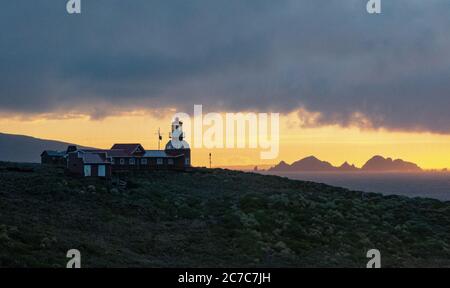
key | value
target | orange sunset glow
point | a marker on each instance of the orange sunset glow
(329, 143)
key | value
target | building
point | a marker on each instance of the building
(54, 158)
(88, 163)
(129, 157)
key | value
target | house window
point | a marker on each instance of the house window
(144, 161)
(87, 170)
(101, 171)
(187, 161)
(132, 162)
(113, 161)
(170, 161)
(122, 161)
(159, 161)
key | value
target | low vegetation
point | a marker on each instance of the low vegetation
(210, 218)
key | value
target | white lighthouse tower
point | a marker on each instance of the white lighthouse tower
(177, 145)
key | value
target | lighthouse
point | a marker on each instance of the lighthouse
(177, 145)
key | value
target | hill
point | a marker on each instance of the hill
(310, 163)
(210, 218)
(347, 167)
(379, 163)
(375, 164)
(19, 148)
(282, 166)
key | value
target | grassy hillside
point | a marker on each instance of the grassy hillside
(211, 218)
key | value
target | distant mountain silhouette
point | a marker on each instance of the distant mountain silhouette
(375, 164)
(379, 163)
(311, 163)
(347, 167)
(282, 166)
(306, 164)
(19, 148)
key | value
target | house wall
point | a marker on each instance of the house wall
(75, 165)
(94, 170)
(152, 163)
(186, 154)
(53, 160)
(179, 163)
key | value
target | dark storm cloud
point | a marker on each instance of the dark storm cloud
(326, 56)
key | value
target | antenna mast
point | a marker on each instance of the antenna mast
(159, 138)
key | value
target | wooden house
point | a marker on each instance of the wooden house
(127, 157)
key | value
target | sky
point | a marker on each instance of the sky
(347, 84)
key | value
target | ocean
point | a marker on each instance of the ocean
(425, 184)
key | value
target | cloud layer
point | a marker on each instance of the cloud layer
(325, 56)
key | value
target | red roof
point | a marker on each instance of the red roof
(130, 148)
